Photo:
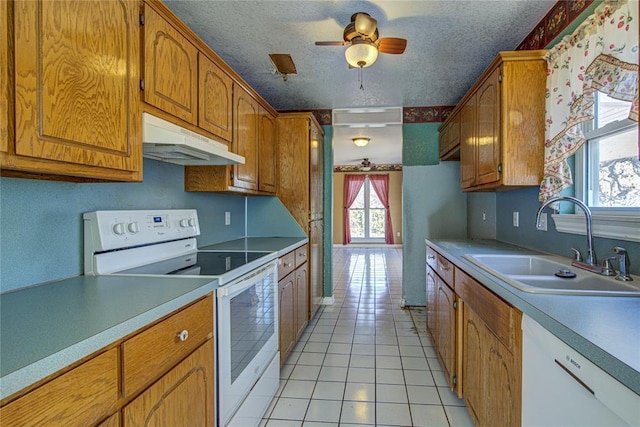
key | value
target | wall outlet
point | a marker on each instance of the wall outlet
(484, 215)
(516, 219)
(398, 234)
(227, 218)
(543, 222)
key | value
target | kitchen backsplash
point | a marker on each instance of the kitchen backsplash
(41, 221)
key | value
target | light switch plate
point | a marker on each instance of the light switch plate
(227, 218)
(516, 219)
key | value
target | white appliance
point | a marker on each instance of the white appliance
(167, 142)
(562, 388)
(161, 242)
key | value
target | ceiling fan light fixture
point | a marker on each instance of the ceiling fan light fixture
(361, 141)
(361, 54)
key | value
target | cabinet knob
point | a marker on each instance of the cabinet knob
(182, 336)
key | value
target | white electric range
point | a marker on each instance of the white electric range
(161, 242)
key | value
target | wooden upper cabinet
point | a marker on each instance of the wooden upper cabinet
(170, 68)
(467, 143)
(501, 129)
(449, 139)
(267, 152)
(245, 138)
(77, 102)
(316, 175)
(6, 111)
(215, 112)
(488, 142)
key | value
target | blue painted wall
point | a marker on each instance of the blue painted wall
(433, 206)
(328, 209)
(41, 221)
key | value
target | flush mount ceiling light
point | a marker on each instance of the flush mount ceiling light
(361, 141)
(361, 54)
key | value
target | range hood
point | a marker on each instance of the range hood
(167, 142)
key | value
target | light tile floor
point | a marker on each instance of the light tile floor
(365, 360)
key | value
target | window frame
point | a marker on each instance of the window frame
(366, 188)
(610, 222)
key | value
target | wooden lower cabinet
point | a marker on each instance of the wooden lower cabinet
(83, 396)
(184, 396)
(446, 303)
(301, 292)
(176, 388)
(286, 304)
(491, 373)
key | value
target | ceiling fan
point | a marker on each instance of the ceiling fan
(362, 37)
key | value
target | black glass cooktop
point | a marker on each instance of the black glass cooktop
(199, 264)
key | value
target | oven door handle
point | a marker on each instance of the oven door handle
(246, 281)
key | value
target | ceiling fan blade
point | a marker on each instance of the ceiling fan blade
(331, 43)
(365, 24)
(392, 45)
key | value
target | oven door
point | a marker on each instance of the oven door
(247, 338)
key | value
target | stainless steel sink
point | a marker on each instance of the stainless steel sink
(536, 274)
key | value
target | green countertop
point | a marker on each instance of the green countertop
(48, 327)
(604, 329)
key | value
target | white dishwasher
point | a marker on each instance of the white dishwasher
(562, 388)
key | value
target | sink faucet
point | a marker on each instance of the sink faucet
(624, 264)
(590, 262)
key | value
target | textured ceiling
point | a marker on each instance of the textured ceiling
(449, 44)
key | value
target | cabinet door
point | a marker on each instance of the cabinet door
(170, 68)
(77, 92)
(286, 316)
(488, 130)
(502, 396)
(316, 265)
(316, 176)
(245, 139)
(184, 396)
(215, 99)
(5, 111)
(446, 321)
(267, 153)
(472, 365)
(467, 144)
(302, 299)
(431, 304)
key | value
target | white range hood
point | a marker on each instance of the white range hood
(167, 142)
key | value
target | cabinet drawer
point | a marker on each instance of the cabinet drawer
(287, 264)
(301, 255)
(80, 397)
(432, 258)
(445, 270)
(154, 351)
(498, 315)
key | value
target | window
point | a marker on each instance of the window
(367, 216)
(608, 169)
(607, 174)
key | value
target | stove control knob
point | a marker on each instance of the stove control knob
(184, 223)
(118, 228)
(192, 222)
(133, 227)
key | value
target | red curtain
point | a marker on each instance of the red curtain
(352, 186)
(380, 184)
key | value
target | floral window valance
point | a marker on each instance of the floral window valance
(602, 55)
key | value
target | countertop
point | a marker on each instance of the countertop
(606, 330)
(47, 327)
(281, 245)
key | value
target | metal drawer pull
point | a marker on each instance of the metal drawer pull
(182, 336)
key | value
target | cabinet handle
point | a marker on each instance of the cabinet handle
(182, 336)
(431, 257)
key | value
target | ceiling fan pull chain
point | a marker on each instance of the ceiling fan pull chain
(360, 78)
